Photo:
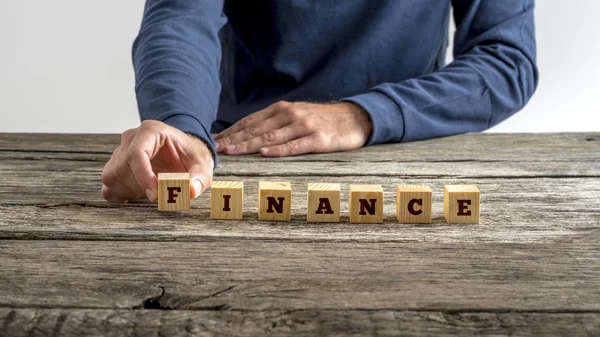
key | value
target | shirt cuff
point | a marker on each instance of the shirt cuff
(386, 116)
(189, 124)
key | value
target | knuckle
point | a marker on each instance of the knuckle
(282, 104)
(107, 177)
(306, 123)
(294, 112)
(149, 125)
(269, 136)
(322, 137)
(293, 146)
(243, 123)
(127, 135)
(106, 193)
(253, 129)
(225, 140)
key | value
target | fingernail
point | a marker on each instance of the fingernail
(150, 195)
(218, 146)
(231, 148)
(197, 187)
(264, 150)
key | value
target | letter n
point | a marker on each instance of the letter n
(369, 207)
(275, 204)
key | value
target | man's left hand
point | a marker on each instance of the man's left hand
(288, 129)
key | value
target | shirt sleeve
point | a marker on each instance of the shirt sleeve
(176, 58)
(493, 75)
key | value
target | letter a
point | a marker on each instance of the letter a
(324, 206)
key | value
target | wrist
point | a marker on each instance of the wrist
(203, 143)
(361, 117)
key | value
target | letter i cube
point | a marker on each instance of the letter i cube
(365, 203)
(413, 203)
(226, 200)
(173, 191)
(274, 201)
(461, 204)
(323, 202)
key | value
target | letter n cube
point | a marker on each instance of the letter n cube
(461, 203)
(173, 191)
(323, 202)
(226, 200)
(274, 201)
(366, 203)
(413, 203)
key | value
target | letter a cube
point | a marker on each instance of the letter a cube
(323, 202)
(173, 191)
(461, 204)
(413, 203)
(274, 201)
(226, 200)
(366, 203)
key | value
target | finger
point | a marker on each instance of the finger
(270, 138)
(251, 119)
(125, 175)
(255, 130)
(118, 193)
(138, 159)
(292, 148)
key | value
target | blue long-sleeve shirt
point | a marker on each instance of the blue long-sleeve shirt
(202, 65)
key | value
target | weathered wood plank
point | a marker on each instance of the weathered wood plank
(240, 274)
(23, 168)
(148, 323)
(478, 147)
(521, 210)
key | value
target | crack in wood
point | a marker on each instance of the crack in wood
(158, 302)
(153, 302)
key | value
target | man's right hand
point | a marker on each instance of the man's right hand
(151, 148)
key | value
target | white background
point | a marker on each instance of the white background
(65, 66)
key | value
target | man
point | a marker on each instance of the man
(286, 77)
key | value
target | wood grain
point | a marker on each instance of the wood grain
(73, 264)
(472, 146)
(241, 274)
(356, 323)
(39, 208)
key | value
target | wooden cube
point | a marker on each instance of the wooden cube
(226, 200)
(413, 203)
(323, 202)
(461, 203)
(365, 203)
(173, 191)
(274, 201)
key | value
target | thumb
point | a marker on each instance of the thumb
(201, 178)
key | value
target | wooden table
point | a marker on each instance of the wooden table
(73, 264)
